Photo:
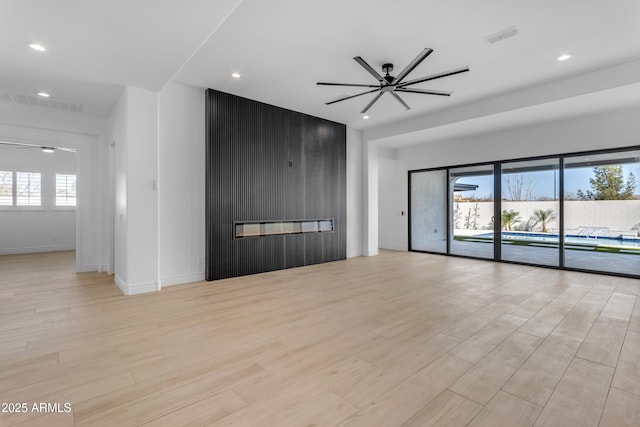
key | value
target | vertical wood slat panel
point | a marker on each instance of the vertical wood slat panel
(268, 163)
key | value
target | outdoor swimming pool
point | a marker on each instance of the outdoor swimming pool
(570, 239)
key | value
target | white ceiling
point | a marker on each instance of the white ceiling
(283, 47)
(95, 47)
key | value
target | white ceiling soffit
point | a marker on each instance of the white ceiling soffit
(609, 89)
(283, 47)
(95, 47)
(622, 97)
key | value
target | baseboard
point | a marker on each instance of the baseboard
(370, 253)
(354, 254)
(182, 279)
(86, 268)
(140, 288)
(124, 288)
(37, 249)
(394, 247)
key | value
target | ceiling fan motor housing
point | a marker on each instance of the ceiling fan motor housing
(388, 68)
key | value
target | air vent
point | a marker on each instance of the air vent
(18, 98)
(501, 35)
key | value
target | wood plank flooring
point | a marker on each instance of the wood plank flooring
(402, 339)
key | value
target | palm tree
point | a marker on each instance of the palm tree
(509, 219)
(544, 216)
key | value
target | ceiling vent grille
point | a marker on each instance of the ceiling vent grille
(501, 35)
(18, 98)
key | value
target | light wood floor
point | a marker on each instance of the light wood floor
(402, 339)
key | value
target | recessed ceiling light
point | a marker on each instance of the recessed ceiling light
(47, 149)
(235, 75)
(43, 94)
(564, 57)
(365, 117)
(38, 47)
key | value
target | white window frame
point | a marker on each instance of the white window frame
(55, 191)
(47, 192)
(13, 190)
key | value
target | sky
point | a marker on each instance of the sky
(543, 182)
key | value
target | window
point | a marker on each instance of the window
(28, 189)
(6, 188)
(602, 212)
(578, 211)
(530, 210)
(65, 190)
(36, 190)
(471, 201)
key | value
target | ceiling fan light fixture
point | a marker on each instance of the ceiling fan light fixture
(235, 75)
(47, 149)
(43, 94)
(38, 47)
(365, 117)
(564, 57)
(394, 85)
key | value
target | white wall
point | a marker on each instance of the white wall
(617, 216)
(142, 197)
(599, 131)
(606, 130)
(370, 194)
(392, 187)
(133, 126)
(117, 137)
(181, 184)
(42, 126)
(37, 229)
(354, 192)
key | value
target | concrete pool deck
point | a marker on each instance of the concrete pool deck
(544, 255)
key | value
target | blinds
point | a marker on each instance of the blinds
(25, 189)
(28, 189)
(6, 188)
(65, 190)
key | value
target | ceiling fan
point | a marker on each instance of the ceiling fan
(395, 85)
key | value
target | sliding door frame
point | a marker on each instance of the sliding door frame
(497, 208)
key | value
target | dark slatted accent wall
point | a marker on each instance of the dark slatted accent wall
(269, 163)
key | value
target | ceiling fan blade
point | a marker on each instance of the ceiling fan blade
(404, 104)
(344, 98)
(344, 84)
(18, 144)
(21, 146)
(413, 64)
(373, 101)
(426, 92)
(434, 76)
(367, 67)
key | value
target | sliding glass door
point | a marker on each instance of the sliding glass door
(471, 207)
(530, 211)
(576, 211)
(429, 211)
(602, 212)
